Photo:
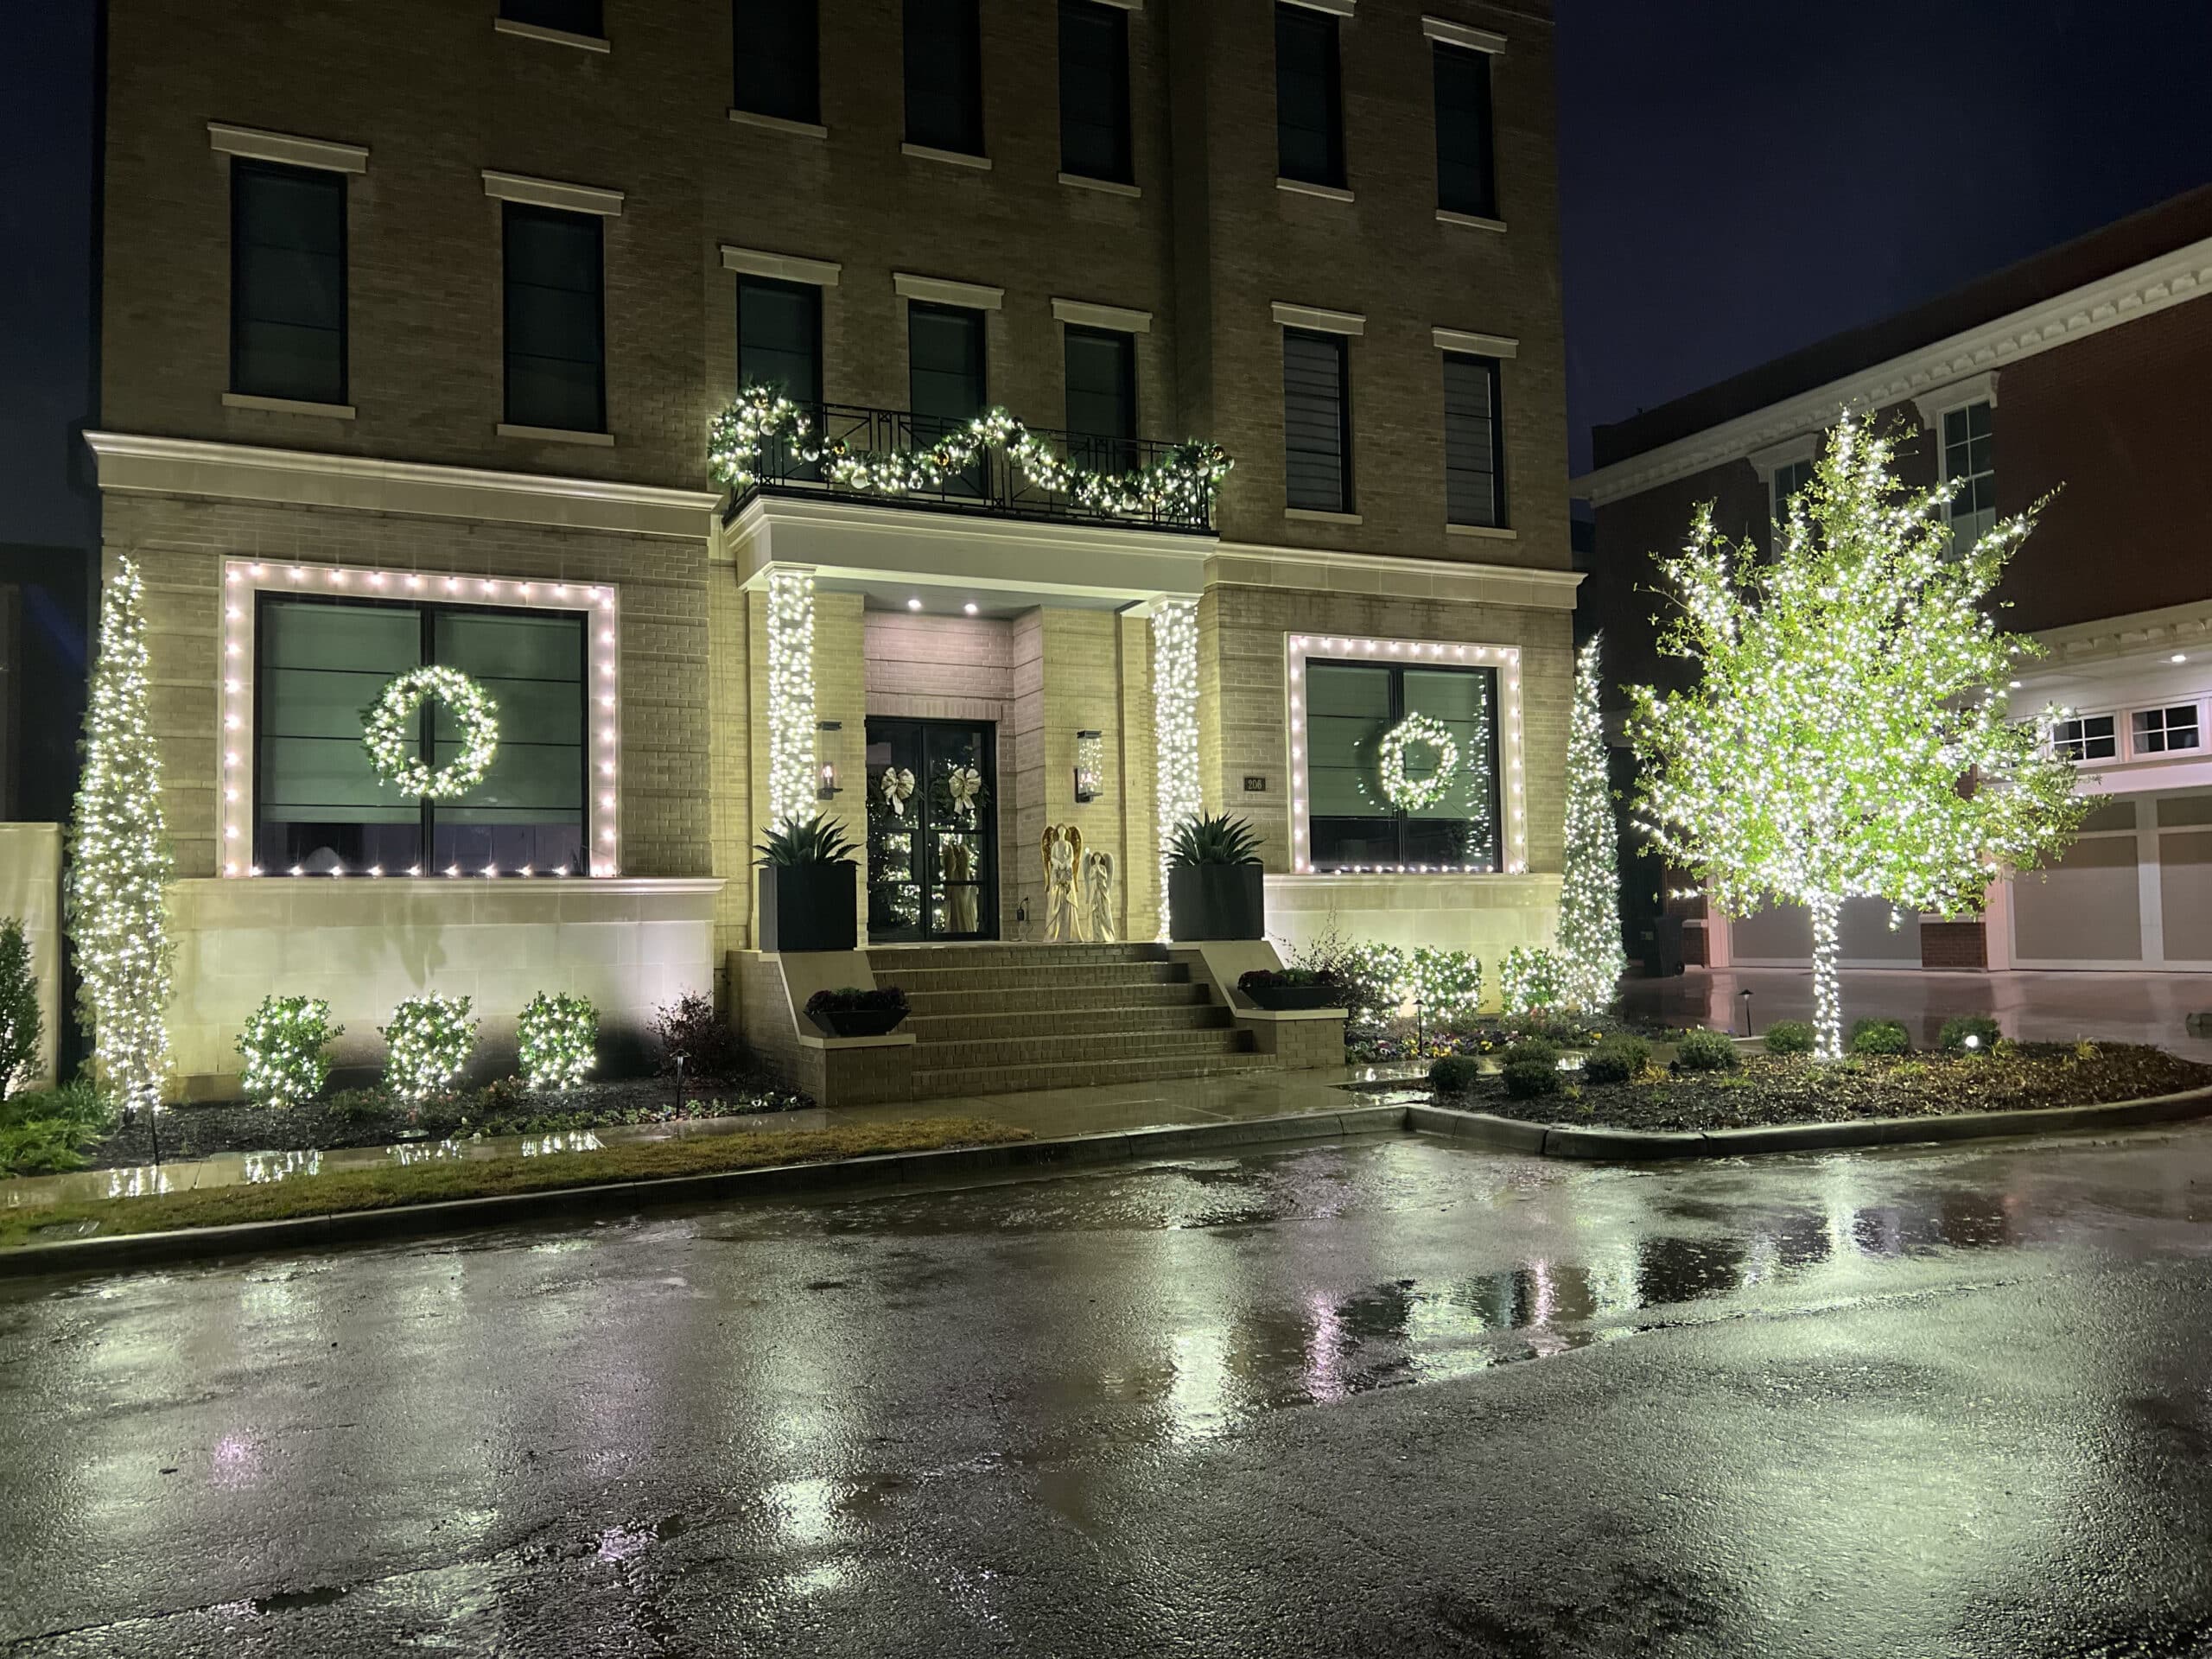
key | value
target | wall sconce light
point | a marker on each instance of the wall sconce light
(826, 780)
(1090, 766)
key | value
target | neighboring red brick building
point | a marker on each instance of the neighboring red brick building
(2077, 378)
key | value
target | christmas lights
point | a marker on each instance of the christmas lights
(119, 861)
(388, 732)
(282, 1045)
(1590, 957)
(791, 776)
(1416, 794)
(1531, 979)
(1848, 734)
(426, 1044)
(557, 1038)
(1180, 486)
(1178, 796)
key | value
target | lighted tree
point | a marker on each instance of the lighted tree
(119, 861)
(1847, 735)
(1589, 943)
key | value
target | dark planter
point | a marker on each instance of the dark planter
(809, 907)
(1277, 998)
(1216, 901)
(857, 1022)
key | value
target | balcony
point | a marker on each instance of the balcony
(992, 465)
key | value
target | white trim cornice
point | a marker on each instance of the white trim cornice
(2139, 291)
(1974, 389)
(551, 192)
(259, 146)
(1462, 340)
(1264, 564)
(1451, 34)
(1314, 316)
(938, 290)
(130, 463)
(781, 267)
(1084, 314)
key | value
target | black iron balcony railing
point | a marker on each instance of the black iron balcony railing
(992, 465)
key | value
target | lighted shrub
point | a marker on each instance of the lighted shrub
(558, 1037)
(427, 1043)
(1706, 1051)
(1790, 1037)
(1530, 979)
(1969, 1033)
(1454, 1074)
(21, 1022)
(1880, 1037)
(1444, 981)
(282, 1045)
(1618, 1059)
(1530, 1079)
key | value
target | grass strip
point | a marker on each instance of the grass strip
(387, 1187)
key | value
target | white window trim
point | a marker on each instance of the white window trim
(1464, 339)
(1514, 832)
(2155, 756)
(1084, 314)
(555, 435)
(2119, 737)
(551, 36)
(234, 682)
(950, 157)
(1806, 446)
(291, 150)
(781, 267)
(778, 124)
(1472, 221)
(1315, 317)
(1334, 8)
(939, 290)
(288, 406)
(1934, 405)
(551, 192)
(1110, 187)
(1451, 34)
(1307, 187)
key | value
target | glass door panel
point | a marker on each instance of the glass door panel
(932, 819)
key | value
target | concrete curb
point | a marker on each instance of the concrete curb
(882, 1169)
(1563, 1140)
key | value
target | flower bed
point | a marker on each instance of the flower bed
(1371, 1043)
(1776, 1088)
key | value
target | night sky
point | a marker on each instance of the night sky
(1737, 178)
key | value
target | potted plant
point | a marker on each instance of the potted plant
(1214, 890)
(809, 888)
(853, 1011)
(1293, 987)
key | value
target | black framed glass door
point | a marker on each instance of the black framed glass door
(932, 831)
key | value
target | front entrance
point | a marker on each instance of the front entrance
(932, 831)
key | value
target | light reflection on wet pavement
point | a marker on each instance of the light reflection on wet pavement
(1390, 1396)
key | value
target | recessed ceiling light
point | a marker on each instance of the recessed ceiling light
(970, 607)
(913, 604)
(2015, 684)
(2180, 657)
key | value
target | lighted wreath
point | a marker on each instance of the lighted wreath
(388, 734)
(1414, 794)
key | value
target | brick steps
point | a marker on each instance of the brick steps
(1086, 976)
(900, 957)
(1082, 1074)
(1039, 1001)
(1110, 1049)
(1197, 1013)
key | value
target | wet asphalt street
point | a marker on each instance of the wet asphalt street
(1388, 1397)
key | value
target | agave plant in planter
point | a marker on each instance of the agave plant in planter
(1214, 889)
(809, 888)
(854, 1012)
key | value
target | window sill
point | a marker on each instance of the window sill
(1494, 532)
(1472, 221)
(1316, 516)
(286, 406)
(1300, 187)
(551, 36)
(950, 157)
(555, 435)
(1110, 187)
(778, 124)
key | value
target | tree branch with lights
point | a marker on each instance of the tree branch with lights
(1848, 735)
(1589, 951)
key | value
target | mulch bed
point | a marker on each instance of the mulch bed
(1773, 1088)
(367, 1118)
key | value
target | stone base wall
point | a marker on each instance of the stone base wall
(1486, 914)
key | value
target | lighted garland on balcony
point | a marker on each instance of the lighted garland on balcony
(388, 734)
(1180, 486)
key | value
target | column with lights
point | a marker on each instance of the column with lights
(793, 782)
(1175, 725)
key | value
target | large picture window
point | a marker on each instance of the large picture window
(320, 808)
(1352, 823)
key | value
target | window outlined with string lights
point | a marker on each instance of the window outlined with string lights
(1346, 693)
(315, 637)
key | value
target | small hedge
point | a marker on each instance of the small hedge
(1706, 1051)
(282, 1048)
(1618, 1059)
(1454, 1074)
(1533, 1050)
(1790, 1037)
(1269, 979)
(1969, 1033)
(1880, 1037)
(1528, 1079)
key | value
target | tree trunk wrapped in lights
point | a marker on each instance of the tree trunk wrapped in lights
(1848, 735)
(1589, 943)
(119, 861)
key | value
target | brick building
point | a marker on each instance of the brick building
(2076, 376)
(415, 327)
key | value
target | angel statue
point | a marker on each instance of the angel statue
(1063, 849)
(1098, 896)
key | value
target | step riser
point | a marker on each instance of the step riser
(1099, 977)
(1040, 1003)
(1005, 1080)
(1107, 1050)
(1070, 1022)
(1007, 956)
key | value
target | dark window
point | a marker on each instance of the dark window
(1102, 377)
(944, 369)
(1316, 421)
(1789, 482)
(556, 343)
(319, 806)
(2085, 737)
(1466, 169)
(1095, 91)
(572, 16)
(1474, 441)
(1350, 707)
(944, 76)
(1309, 103)
(777, 51)
(779, 344)
(288, 282)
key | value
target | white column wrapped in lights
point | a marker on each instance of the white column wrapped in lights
(793, 782)
(1178, 797)
(597, 602)
(1505, 660)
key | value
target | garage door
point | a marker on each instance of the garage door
(1783, 936)
(2135, 891)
